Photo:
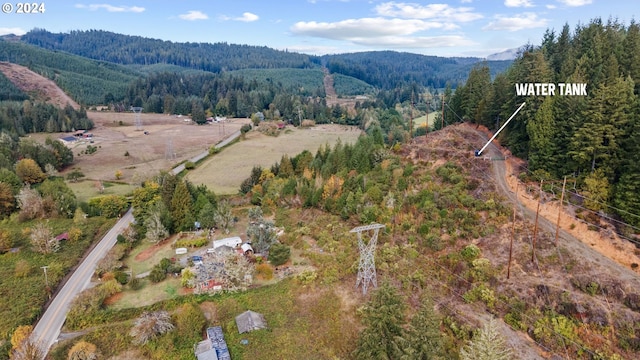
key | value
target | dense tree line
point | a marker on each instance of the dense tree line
(21, 118)
(126, 49)
(594, 137)
(390, 69)
(8, 91)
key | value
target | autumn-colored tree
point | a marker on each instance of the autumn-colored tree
(28, 171)
(83, 350)
(7, 199)
(118, 174)
(20, 335)
(6, 241)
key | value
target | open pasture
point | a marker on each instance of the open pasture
(115, 134)
(224, 172)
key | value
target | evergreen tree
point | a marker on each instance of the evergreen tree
(181, 207)
(383, 317)
(541, 134)
(423, 340)
(488, 344)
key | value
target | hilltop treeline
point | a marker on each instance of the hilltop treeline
(126, 49)
(594, 137)
(389, 69)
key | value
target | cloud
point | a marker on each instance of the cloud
(111, 8)
(246, 17)
(12, 30)
(515, 23)
(576, 2)
(518, 3)
(550, 6)
(193, 15)
(441, 12)
(363, 28)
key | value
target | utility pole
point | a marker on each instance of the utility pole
(411, 118)
(513, 231)
(442, 111)
(535, 228)
(46, 279)
(564, 183)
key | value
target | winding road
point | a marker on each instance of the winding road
(570, 242)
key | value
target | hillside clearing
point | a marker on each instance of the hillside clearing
(224, 172)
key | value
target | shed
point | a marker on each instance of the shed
(249, 321)
(63, 236)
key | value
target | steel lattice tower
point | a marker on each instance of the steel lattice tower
(169, 154)
(367, 265)
(138, 120)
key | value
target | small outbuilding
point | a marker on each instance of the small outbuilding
(249, 321)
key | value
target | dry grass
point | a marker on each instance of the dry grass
(224, 172)
(150, 293)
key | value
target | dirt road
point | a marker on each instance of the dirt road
(574, 245)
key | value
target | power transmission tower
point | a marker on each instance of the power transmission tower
(138, 120)
(169, 154)
(367, 265)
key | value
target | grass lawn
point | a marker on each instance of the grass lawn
(150, 293)
(146, 255)
(224, 172)
(87, 189)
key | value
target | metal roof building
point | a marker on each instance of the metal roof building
(249, 321)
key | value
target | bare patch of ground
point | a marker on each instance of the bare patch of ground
(169, 141)
(37, 86)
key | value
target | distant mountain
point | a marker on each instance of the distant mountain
(509, 54)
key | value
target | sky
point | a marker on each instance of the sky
(442, 27)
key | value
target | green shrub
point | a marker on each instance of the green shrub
(191, 243)
(189, 165)
(157, 274)
(470, 252)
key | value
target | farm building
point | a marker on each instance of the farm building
(249, 321)
(214, 347)
(68, 140)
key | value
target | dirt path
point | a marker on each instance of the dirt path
(36, 86)
(329, 90)
(583, 244)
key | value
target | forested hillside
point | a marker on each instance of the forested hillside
(125, 49)
(388, 69)
(381, 69)
(86, 81)
(591, 138)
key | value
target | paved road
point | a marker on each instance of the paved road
(180, 168)
(48, 327)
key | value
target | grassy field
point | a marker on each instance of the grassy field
(150, 293)
(224, 172)
(420, 121)
(88, 189)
